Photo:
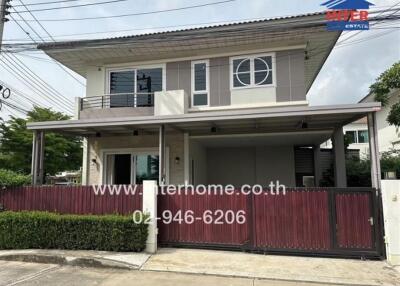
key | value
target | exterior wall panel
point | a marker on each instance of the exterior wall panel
(219, 82)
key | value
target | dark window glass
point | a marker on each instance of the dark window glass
(122, 87)
(241, 65)
(351, 136)
(200, 99)
(122, 82)
(200, 77)
(262, 63)
(263, 77)
(362, 136)
(149, 80)
(146, 168)
(241, 79)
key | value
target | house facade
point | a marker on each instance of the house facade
(357, 137)
(224, 105)
(388, 135)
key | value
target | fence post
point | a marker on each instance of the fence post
(150, 208)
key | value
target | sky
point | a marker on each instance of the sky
(345, 77)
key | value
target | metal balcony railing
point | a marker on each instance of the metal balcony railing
(118, 100)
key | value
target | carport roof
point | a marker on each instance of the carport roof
(272, 119)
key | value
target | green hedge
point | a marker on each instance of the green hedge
(42, 230)
(13, 179)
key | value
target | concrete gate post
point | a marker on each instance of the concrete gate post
(149, 198)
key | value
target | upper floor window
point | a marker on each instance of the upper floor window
(252, 71)
(200, 83)
(357, 136)
(134, 87)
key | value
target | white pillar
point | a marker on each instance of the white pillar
(77, 108)
(339, 158)
(150, 208)
(374, 151)
(391, 215)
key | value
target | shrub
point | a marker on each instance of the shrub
(13, 179)
(42, 230)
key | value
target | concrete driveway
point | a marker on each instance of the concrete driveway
(30, 274)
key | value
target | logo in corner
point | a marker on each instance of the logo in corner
(347, 15)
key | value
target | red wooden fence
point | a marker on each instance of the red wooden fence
(326, 221)
(70, 200)
(200, 232)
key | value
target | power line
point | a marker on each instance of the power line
(33, 84)
(47, 32)
(140, 29)
(72, 6)
(134, 14)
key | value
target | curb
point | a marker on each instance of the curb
(70, 261)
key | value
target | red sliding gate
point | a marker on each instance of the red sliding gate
(315, 221)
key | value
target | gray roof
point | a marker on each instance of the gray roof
(78, 43)
(306, 32)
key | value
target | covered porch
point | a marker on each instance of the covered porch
(226, 146)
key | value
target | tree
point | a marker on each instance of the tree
(387, 81)
(61, 152)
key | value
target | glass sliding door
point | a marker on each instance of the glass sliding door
(130, 168)
(134, 88)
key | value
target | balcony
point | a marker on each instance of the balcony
(116, 105)
(171, 102)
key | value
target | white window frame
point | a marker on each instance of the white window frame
(134, 68)
(194, 92)
(132, 152)
(252, 71)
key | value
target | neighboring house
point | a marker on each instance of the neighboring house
(357, 136)
(388, 135)
(65, 178)
(222, 104)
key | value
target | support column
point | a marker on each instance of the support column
(85, 161)
(317, 165)
(37, 169)
(162, 169)
(339, 158)
(186, 159)
(374, 151)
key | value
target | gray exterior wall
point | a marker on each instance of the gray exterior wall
(178, 76)
(251, 165)
(290, 78)
(220, 93)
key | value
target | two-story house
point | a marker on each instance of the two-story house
(223, 104)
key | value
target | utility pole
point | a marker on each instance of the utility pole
(4, 6)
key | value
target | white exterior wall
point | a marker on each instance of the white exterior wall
(258, 95)
(388, 136)
(363, 147)
(391, 213)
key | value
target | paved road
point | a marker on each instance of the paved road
(29, 274)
